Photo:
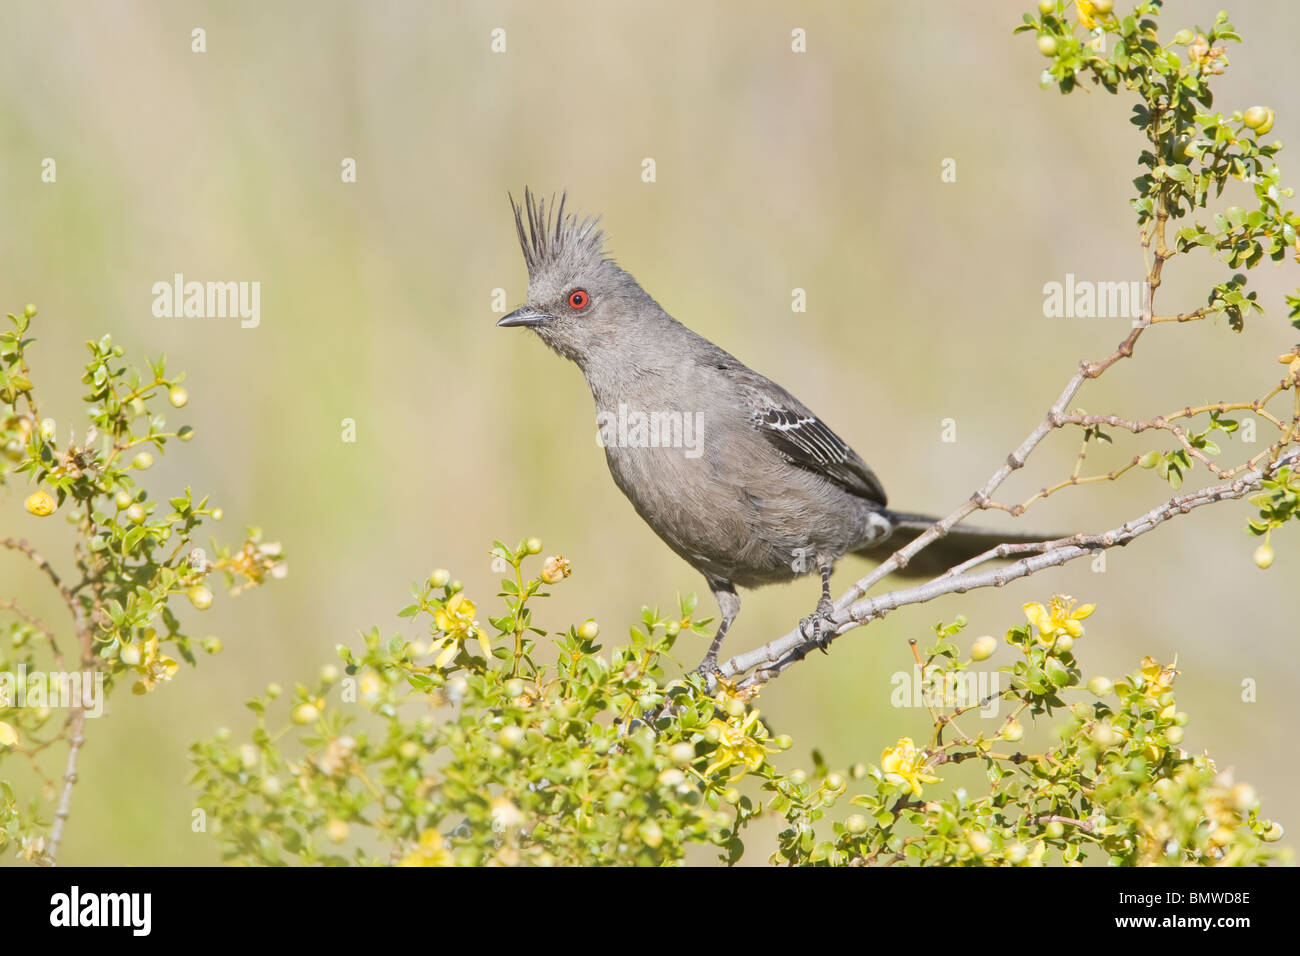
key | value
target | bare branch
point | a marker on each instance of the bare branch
(774, 657)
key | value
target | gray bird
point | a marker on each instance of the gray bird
(734, 473)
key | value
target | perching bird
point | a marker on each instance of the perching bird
(733, 472)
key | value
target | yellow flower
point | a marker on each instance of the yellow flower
(1086, 13)
(904, 764)
(254, 562)
(154, 665)
(739, 742)
(41, 504)
(1156, 678)
(1210, 59)
(456, 620)
(431, 850)
(1059, 617)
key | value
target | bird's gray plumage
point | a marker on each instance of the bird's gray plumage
(772, 493)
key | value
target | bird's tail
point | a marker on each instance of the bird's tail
(960, 544)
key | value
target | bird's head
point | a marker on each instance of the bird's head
(579, 301)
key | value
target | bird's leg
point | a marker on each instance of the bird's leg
(817, 626)
(729, 604)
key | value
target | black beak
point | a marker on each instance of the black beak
(525, 316)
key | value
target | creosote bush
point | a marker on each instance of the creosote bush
(459, 746)
(135, 571)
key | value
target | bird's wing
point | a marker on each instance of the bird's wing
(808, 442)
(799, 435)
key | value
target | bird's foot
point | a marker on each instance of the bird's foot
(819, 627)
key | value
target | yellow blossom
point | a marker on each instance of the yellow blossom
(1156, 678)
(1058, 618)
(456, 620)
(904, 764)
(155, 666)
(254, 562)
(431, 850)
(739, 742)
(1210, 59)
(41, 504)
(1086, 13)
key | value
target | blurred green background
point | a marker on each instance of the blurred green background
(774, 171)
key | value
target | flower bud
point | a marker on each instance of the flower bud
(1104, 735)
(672, 777)
(305, 714)
(1264, 555)
(651, 834)
(1255, 117)
(439, 578)
(142, 461)
(533, 546)
(1100, 686)
(980, 843)
(983, 648)
(336, 830)
(200, 597)
(178, 396)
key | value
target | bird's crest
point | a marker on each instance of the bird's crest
(551, 237)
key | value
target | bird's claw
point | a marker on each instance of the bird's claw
(819, 627)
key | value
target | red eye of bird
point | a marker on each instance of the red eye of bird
(578, 299)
